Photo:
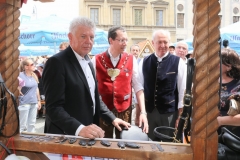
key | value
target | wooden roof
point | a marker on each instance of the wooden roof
(147, 44)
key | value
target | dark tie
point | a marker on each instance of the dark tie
(91, 67)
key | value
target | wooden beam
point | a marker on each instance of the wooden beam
(171, 150)
(205, 91)
(206, 33)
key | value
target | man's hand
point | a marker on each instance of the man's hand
(92, 131)
(117, 122)
(143, 123)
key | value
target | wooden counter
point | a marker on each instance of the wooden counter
(172, 151)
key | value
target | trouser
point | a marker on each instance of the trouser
(155, 119)
(108, 128)
(27, 117)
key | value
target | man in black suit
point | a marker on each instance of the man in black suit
(73, 105)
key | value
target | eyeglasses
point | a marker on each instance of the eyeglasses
(122, 40)
(30, 64)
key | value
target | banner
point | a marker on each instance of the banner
(52, 31)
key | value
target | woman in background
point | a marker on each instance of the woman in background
(230, 88)
(29, 99)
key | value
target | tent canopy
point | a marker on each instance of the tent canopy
(230, 33)
(52, 30)
(35, 50)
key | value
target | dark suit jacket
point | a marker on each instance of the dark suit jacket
(67, 95)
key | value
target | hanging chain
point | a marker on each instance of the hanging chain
(106, 66)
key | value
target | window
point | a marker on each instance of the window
(235, 10)
(180, 20)
(116, 17)
(180, 7)
(94, 15)
(138, 17)
(236, 19)
(159, 17)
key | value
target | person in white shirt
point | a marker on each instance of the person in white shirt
(181, 50)
(163, 76)
(117, 73)
(135, 50)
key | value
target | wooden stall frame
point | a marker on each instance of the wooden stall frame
(205, 92)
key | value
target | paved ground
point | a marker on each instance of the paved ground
(40, 125)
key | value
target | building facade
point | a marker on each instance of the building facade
(139, 17)
(230, 13)
(183, 17)
(142, 17)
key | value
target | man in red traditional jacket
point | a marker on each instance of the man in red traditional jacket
(117, 73)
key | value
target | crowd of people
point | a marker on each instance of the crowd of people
(32, 97)
(98, 97)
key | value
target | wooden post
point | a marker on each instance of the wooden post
(205, 90)
(9, 53)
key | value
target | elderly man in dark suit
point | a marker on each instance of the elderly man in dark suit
(73, 105)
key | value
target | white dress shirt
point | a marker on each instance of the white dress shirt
(181, 77)
(83, 61)
(137, 86)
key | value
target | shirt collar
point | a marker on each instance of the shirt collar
(161, 58)
(111, 57)
(80, 58)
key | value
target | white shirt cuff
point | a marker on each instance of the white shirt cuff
(79, 129)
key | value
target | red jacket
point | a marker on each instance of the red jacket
(118, 93)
